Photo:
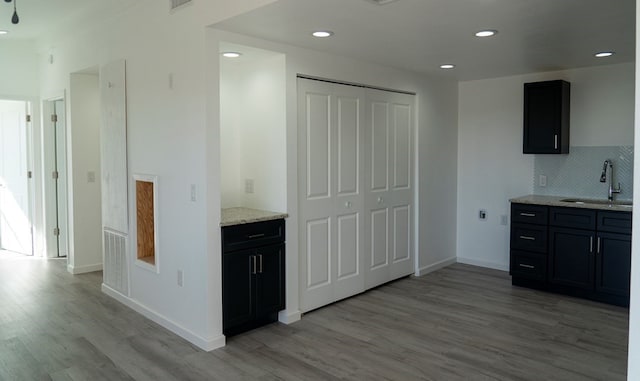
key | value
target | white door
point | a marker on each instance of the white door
(15, 216)
(330, 191)
(389, 189)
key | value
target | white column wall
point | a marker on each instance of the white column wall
(85, 225)
(168, 136)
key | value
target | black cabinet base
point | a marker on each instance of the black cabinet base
(616, 300)
(258, 322)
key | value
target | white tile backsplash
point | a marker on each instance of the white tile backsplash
(578, 173)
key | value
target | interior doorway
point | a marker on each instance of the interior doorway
(16, 222)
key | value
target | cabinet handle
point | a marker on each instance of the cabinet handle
(528, 214)
(527, 238)
(555, 141)
(260, 263)
(598, 246)
(253, 271)
(526, 266)
(252, 236)
(591, 244)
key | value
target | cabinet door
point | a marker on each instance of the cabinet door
(237, 285)
(269, 280)
(613, 264)
(571, 261)
(546, 117)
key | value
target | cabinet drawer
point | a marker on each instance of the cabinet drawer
(255, 234)
(573, 218)
(529, 237)
(529, 214)
(615, 222)
(528, 265)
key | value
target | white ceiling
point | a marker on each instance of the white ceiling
(419, 35)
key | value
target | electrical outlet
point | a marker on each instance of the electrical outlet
(504, 220)
(482, 214)
(248, 186)
(180, 278)
(542, 180)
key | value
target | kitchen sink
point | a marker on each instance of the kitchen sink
(627, 204)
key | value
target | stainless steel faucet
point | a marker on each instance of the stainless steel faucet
(603, 178)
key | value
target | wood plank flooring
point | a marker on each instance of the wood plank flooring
(459, 323)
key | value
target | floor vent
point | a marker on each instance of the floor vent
(115, 261)
(179, 3)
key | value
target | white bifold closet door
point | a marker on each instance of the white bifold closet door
(355, 190)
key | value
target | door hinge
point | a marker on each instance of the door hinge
(29, 174)
(56, 231)
(54, 118)
(54, 175)
(28, 118)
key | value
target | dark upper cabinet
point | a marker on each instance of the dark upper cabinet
(546, 117)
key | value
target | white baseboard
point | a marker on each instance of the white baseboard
(202, 343)
(289, 317)
(487, 264)
(436, 266)
(84, 269)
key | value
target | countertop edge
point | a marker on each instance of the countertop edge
(556, 201)
(241, 216)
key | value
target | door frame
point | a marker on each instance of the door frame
(54, 215)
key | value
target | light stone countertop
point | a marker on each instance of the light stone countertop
(239, 216)
(621, 206)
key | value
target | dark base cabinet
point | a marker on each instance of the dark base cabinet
(579, 252)
(253, 275)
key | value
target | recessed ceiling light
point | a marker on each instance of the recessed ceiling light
(3, 32)
(231, 54)
(604, 54)
(447, 66)
(486, 33)
(322, 33)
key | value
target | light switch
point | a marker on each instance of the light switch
(91, 177)
(542, 180)
(193, 193)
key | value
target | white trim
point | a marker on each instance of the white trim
(436, 266)
(84, 269)
(487, 264)
(289, 317)
(156, 255)
(203, 343)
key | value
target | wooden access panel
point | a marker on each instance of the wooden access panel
(145, 217)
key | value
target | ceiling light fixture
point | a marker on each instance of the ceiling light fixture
(447, 66)
(231, 54)
(604, 54)
(3, 32)
(322, 33)
(14, 19)
(486, 33)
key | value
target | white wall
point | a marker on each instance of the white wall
(491, 166)
(253, 130)
(633, 359)
(85, 225)
(18, 69)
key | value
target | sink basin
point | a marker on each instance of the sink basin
(627, 204)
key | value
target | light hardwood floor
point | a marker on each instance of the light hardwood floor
(459, 323)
